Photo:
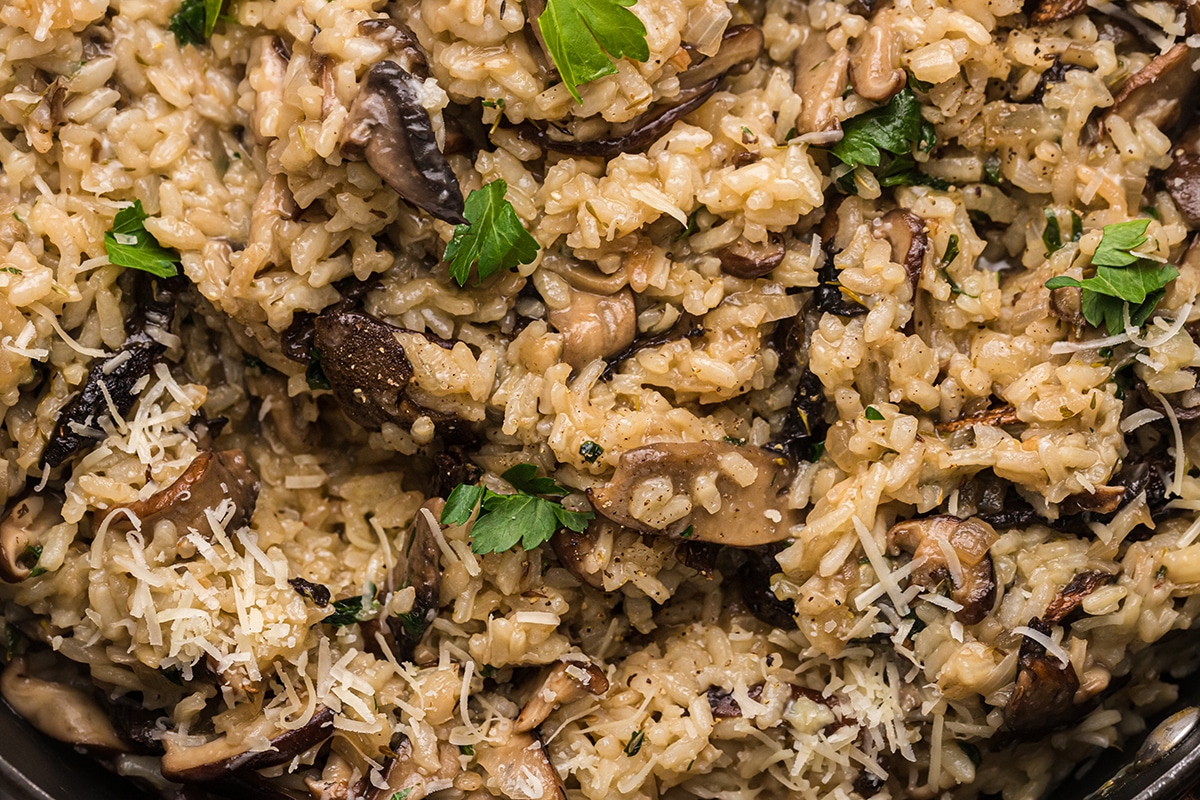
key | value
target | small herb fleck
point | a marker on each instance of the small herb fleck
(590, 451)
(635, 743)
(466, 749)
(688, 532)
(873, 414)
(402, 794)
(11, 270)
(315, 374)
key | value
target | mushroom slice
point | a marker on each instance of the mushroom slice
(999, 415)
(389, 127)
(565, 682)
(1160, 91)
(110, 383)
(754, 581)
(1182, 178)
(821, 77)
(520, 769)
(418, 566)
(1104, 500)
(210, 480)
(875, 61)
(575, 552)
(1071, 596)
(941, 540)
(401, 41)
(1055, 10)
(20, 531)
(60, 711)
(402, 777)
(906, 232)
(1044, 695)
(365, 364)
(216, 759)
(746, 259)
(707, 491)
(1066, 303)
(594, 325)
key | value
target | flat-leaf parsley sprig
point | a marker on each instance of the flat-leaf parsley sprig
(582, 34)
(1123, 278)
(527, 516)
(493, 238)
(129, 244)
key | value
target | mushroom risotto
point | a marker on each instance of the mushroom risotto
(596, 398)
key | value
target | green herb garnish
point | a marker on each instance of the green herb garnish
(582, 34)
(130, 245)
(30, 559)
(354, 609)
(1122, 278)
(635, 743)
(991, 169)
(11, 270)
(466, 749)
(195, 20)
(493, 237)
(1052, 234)
(505, 519)
(873, 414)
(12, 641)
(895, 128)
(951, 251)
(688, 532)
(402, 794)
(590, 451)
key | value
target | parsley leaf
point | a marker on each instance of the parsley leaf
(873, 414)
(895, 129)
(129, 244)
(403, 793)
(506, 519)
(582, 34)
(195, 20)
(30, 559)
(493, 236)
(1122, 278)
(354, 609)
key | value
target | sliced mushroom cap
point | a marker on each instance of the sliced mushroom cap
(821, 78)
(1044, 695)
(1160, 91)
(1055, 10)
(520, 769)
(20, 532)
(60, 711)
(1071, 596)
(1066, 303)
(418, 566)
(707, 491)
(595, 326)
(401, 774)
(365, 364)
(574, 551)
(875, 61)
(390, 128)
(906, 232)
(1103, 500)
(1182, 178)
(746, 259)
(998, 415)
(401, 41)
(940, 540)
(565, 682)
(210, 480)
(217, 759)
(754, 581)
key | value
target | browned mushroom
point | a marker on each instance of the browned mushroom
(46, 116)
(1044, 695)
(520, 769)
(821, 77)
(740, 45)
(217, 758)
(939, 539)
(1160, 91)
(400, 41)
(367, 367)
(21, 530)
(906, 232)
(419, 566)
(707, 491)
(58, 710)
(389, 127)
(573, 550)
(746, 259)
(1066, 303)
(594, 325)
(753, 579)
(1055, 10)
(565, 682)
(724, 706)
(402, 777)
(875, 61)
(208, 481)
(998, 415)
(1071, 596)
(1182, 178)
(1104, 500)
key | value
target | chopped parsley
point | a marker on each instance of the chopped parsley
(590, 451)
(466, 749)
(493, 237)
(688, 532)
(635, 743)
(195, 20)
(893, 129)
(991, 169)
(873, 414)
(11, 270)
(12, 641)
(30, 558)
(581, 35)
(1123, 279)
(402, 794)
(1052, 234)
(354, 609)
(130, 245)
(506, 519)
(951, 251)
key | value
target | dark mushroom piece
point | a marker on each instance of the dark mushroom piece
(1066, 303)
(724, 706)
(521, 768)
(1044, 695)
(418, 566)
(390, 129)
(753, 578)
(20, 532)
(875, 70)
(1056, 10)
(700, 556)
(594, 325)
(58, 710)
(998, 415)
(1105, 500)
(746, 259)
(119, 374)
(1182, 178)
(906, 232)
(830, 296)
(565, 682)
(751, 487)
(218, 759)
(821, 78)
(974, 588)
(573, 550)
(209, 480)
(804, 424)
(367, 367)
(1161, 91)
(1071, 597)
(46, 116)
(402, 777)
(740, 45)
